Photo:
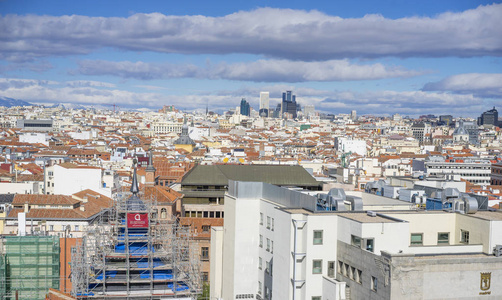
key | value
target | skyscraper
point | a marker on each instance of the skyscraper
(490, 117)
(264, 103)
(245, 109)
(289, 105)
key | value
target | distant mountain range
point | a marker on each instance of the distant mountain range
(9, 102)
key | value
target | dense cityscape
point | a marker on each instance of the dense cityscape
(310, 151)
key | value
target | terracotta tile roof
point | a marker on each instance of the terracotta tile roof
(162, 194)
(21, 199)
(42, 213)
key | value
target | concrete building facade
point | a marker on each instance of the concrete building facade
(276, 245)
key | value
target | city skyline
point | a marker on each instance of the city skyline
(377, 59)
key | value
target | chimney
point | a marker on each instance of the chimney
(86, 199)
(26, 207)
(82, 208)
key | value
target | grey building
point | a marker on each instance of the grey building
(35, 125)
(489, 117)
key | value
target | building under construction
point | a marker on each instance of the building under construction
(133, 254)
(29, 266)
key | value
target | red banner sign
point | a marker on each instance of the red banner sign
(137, 220)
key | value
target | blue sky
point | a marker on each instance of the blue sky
(377, 57)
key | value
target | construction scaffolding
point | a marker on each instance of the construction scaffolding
(29, 266)
(135, 254)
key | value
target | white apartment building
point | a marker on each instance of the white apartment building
(166, 127)
(350, 145)
(275, 245)
(68, 179)
(474, 172)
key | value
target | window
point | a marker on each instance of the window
(370, 245)
(443, 238)
(163, 213)
(51, 227)
(316, 298)
(261, 218)
(259, 287)
(268, 244)
(352, 273)
(261, 240)
(205, 253)
(317, 266)
(340, 267)
(272, 224)
(268, 222)
(374, 283)
(331, 269)
(205, 276)
(205, 228)
(417, 238)
(76, 228)
(267, 267)
(271, 246)
(259, 263)
(358, 276)
(317, 237)
(464, 236)
(356, 241)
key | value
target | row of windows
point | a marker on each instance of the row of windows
(497, 171)
(75, 228)
(367, 244)
(270, 244)
(204, 214)
(268, 266)
(459, 167)
(496, 182)
(442, 239)
(270, 222)
(464, 174)
(351, 272)
(244, 296)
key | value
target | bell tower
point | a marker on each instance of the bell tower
(150, 171)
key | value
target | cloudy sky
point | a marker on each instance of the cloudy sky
(377, 57)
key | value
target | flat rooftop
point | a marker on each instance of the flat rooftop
(361, 217)
(487, 215)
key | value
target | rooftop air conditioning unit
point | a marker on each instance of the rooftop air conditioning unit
(371, 213)
(497, 251)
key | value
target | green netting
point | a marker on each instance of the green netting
(2, 277)
(31, 266)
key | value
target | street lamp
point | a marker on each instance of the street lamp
(67, 230)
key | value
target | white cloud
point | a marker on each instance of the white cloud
(272, 70)
(281, 33)
(481, 85)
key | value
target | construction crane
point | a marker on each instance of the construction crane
(114, 106)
